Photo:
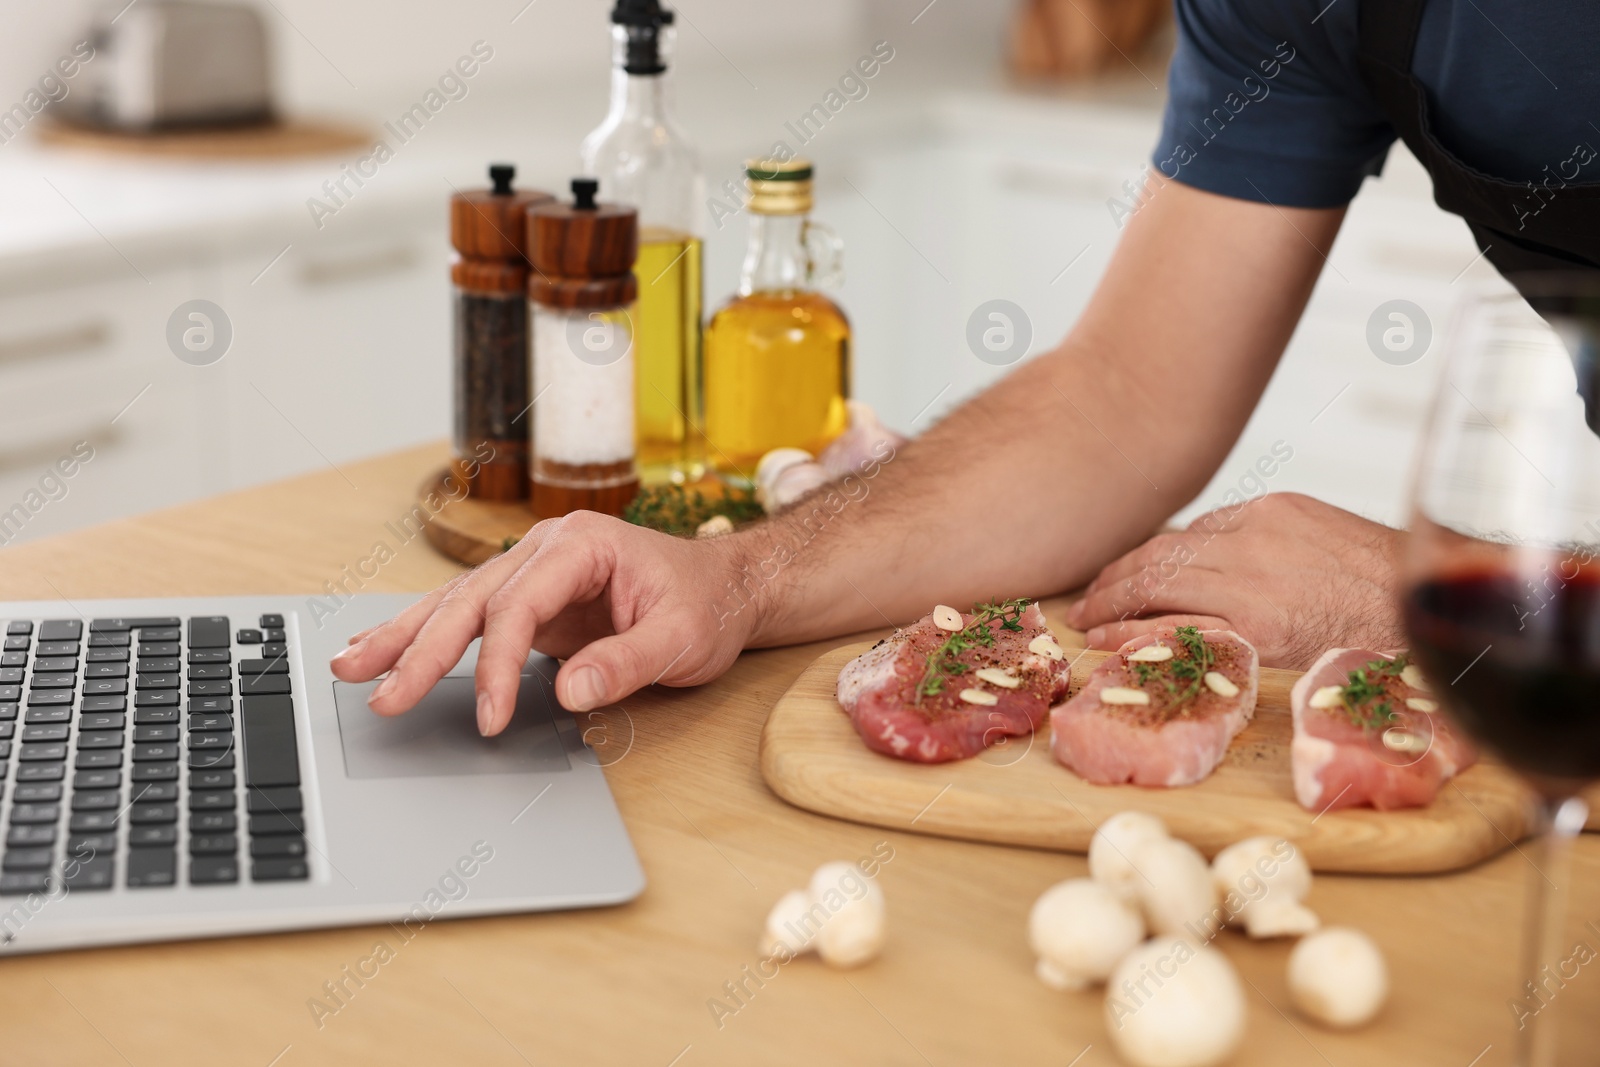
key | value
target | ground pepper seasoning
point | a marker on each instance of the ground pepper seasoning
(490, 275)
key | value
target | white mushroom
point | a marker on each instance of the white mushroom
(1337, 976)
(854, 930)
(1174, 888)
(1171, 1003)
(1113, 845)
(789, 925)
(840, 915)
(1080, 929)
(1262, 881)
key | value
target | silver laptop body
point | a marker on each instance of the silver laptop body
(406, 820)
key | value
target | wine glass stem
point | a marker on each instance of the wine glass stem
(1561, 820)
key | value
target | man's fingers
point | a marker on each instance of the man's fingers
(610, 669)
(564, 573)
(1115, 635)
(1192, 590)
(375, 650)
(1133, 575)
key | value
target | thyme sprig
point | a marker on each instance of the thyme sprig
(679, 510)
(1186, 673)
(944, 662)
(1364, 690)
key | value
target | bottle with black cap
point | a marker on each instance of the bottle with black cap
(641, 158)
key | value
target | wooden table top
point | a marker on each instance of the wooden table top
(633, 984)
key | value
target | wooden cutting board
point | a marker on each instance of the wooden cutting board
(1017, 794)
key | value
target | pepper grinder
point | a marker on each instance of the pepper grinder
(581, 294)
(489, 274)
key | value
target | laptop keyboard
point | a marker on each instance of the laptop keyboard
(146, 752)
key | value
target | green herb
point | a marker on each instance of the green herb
(509, 543)
(1186, 673)
(1143, 672)
(1366, 686)
(680, 510)
(945, 663)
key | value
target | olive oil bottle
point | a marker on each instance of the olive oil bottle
(777, 356)
(641, 158)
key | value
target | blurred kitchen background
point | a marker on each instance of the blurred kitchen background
(955, 181)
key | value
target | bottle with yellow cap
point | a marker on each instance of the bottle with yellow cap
(777, 356)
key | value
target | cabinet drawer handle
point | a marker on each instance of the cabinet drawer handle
(358, 268)
(82, 337)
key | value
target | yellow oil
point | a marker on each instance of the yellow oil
(777, 373)
(667, 357)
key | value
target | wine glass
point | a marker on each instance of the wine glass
(1502, 573)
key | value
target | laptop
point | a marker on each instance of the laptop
(184, 768)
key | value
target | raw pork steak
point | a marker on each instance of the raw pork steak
(1368, 732)
(1159, 721)
(905, 694)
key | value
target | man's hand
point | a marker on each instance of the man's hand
(624, 606)
(1292, 575)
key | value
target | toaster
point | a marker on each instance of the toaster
(163, 64)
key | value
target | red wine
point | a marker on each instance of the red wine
(1517, 661)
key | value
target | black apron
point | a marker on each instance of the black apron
(1521, 227)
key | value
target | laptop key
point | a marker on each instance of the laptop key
(154, 753)
(55, 665)
(57, 648)
(106, 670)
(27, 859)
(37, 792)
(101, 739)
(156, 791)
(15, 882)
(211, 780)
(49, 732)
(48, 752)
(153, 836)
(161, 665)
(276, 648)
(91, 760)
(161, 633)
(42, 772)
(209, 631)
(271, 621)
(210, 760)
(212, 870)
(54, 681)
(155, 772)
(61, 629)
(105, 686)
(254, 684)
(206, 723)
(216, 688)
(248, 637)
(95, 873)
(213, 740)
(280, 665)
(277, 799)
(157, 648)
(48, 715)
(273, 635)
(104, 703)
(11, 675)
(269, 741)
(85, 845)
(156, 681)
(43, 697)
(20, 626)
(210, 672)
(286, 846)
(96, 799)
(279, 870)
(210, 655)
(18, 643)
(103, 720)
(31, 836)
(211, 800)
(96, 780)
(267, 825)
(144, 814)
(214, 845)
(155, 698)
(212, 822)
(135, 623)
(108, 640)
(106, 655)
(152, 867)
(29, 814)
(92, 822)
(167, 732)
(146, 716)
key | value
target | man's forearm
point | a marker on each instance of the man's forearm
(1073, 458)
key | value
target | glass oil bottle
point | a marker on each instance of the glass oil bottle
(777, 356)
(641, 158)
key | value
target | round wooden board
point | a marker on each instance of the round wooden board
(287, 139)
(1017, 794)
(467, 530)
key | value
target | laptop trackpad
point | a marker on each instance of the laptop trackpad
(439, 737)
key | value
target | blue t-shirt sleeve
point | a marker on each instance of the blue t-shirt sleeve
(1266, 103)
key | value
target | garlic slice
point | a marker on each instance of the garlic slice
(1221, 684)
(1045, 645)
(979, 696)
(1411, 674)
(1329, 696)
(947, 618)
(1123, 696)
(1156, 653)
(1422, 704)
(998, 676)
(1398, 740)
